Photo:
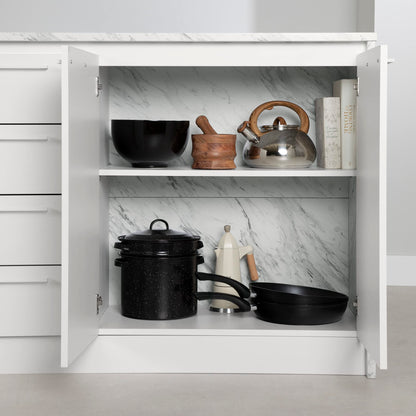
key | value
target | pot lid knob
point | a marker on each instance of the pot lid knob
(159, 220)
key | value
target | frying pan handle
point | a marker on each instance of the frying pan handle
(304, 119)
(242, 290)
(243, 305)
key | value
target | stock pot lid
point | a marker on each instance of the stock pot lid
(158, 235)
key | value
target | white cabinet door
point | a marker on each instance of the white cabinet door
(371, 203)
(80, 202)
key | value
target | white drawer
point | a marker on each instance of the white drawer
(30, 230)
(30, 88)
(30, 159)
(30, 300)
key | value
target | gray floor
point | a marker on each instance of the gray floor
(392, 393)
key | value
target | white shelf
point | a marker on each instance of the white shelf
(239, 172)
(206, 323)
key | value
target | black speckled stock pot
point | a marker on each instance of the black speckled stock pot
(159, 275)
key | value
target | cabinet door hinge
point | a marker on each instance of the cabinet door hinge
(355, 305)
(357, 87)
(99, 303)
(98, 86)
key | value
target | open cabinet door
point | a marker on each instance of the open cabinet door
(371, 203)
(80, 202)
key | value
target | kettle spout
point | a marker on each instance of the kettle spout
(245, 250)
(245, 130)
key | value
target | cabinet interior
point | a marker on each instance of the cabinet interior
(226, 95)
(302, 228)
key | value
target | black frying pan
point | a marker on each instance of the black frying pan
(292, 294)
(297, 305)
(297, 314)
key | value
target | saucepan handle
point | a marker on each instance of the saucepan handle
(242, 290)
(243, 305)
(119, 245)
(120, 261)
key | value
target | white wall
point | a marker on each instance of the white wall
(126, 15)
(306, 16)
(395, 25)
(365, 15)
(178, 15)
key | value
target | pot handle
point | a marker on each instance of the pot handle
(243, 305)
(120, 246)
(120, 261)
(242, 290)
(304, 119)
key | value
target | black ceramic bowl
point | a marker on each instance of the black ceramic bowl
(148, 143)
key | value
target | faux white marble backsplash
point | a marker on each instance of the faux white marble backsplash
(299, 237)
(297, 226)
(226, 96)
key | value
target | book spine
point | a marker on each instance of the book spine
(328, 134)
(345, 89)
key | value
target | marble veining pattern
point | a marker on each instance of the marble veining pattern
(184, 37)
(226, 96)
(188, 187)
(296, 240)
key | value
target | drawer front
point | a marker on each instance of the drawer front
(30, 230)
(30, 300)
(30, 88)
(30, 159)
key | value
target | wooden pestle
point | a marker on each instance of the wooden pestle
(203, 123)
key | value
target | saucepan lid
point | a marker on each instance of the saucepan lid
(159, 241)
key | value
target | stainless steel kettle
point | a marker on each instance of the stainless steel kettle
(280, 145)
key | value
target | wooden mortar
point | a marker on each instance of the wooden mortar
(213, 151)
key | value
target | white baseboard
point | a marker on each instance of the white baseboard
(182, 354)
(401, 270)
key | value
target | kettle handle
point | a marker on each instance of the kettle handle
(304, 119)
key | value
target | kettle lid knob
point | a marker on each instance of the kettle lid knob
(227, 228)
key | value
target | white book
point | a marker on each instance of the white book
(328, 132)
(345, 89)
